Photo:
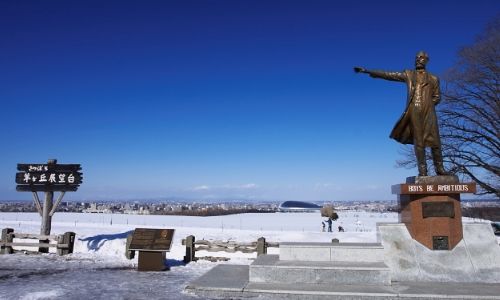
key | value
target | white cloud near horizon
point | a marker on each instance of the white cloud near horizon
(246, 186)
(201, 188)
(327, 186)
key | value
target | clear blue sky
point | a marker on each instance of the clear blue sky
(217, 99)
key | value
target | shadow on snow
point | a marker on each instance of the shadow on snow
(174, 262)
(96, 242)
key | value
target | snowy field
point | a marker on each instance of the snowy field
(98, 268)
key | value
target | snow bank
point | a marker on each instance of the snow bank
(98, 268)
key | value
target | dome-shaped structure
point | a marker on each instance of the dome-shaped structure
(298, 206)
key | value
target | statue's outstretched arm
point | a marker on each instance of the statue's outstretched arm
(394, 76)
(360, 70)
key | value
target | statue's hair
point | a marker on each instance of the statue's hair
(423, 53)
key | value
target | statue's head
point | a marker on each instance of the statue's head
(421, 59)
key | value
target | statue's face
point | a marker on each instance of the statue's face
(421, 61)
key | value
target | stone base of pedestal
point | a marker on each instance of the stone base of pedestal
(476, 258)
(430, 209)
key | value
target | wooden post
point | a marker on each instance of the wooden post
(129, 254)
(37, 203)
(46, 217)
(58, 201)
(46, 220)
(261, 246)
(60, 241)
(68, 238)
(7, 238)
(190, 250)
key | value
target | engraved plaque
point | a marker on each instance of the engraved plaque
(433, 189)
(440, 243)
(152, 239)
(438, 209)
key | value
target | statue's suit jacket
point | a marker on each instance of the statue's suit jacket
(418, 127)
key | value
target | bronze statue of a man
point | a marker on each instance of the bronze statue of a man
(418, 125)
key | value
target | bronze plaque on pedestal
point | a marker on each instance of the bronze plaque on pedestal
(438, 209)
(440, 243)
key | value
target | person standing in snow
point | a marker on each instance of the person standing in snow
(329, 221)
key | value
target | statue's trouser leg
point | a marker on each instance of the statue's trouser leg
(437, 157)
(417, 130)
(421, 162)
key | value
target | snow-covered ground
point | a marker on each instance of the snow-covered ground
(98, 268)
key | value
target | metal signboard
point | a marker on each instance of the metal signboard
(147, 239)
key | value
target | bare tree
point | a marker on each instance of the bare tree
(469, 114)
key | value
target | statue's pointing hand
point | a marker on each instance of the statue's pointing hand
(359, 70)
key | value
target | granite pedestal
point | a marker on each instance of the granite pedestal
(430, 209)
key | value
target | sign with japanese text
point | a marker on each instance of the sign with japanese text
(48, 177)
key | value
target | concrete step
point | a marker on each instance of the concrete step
(270, 269)
(341, 252)
(231, 282)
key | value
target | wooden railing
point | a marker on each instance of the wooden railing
(260, 246)
(63, 243)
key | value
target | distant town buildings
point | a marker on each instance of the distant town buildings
(146, 208)
(95, 209)
(210, 208)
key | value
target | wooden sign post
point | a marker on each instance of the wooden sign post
(48, 178)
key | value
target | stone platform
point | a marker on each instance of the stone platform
(270, 269)
(232, 282)
(397, 268)
(340, 252)
(323, 263)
